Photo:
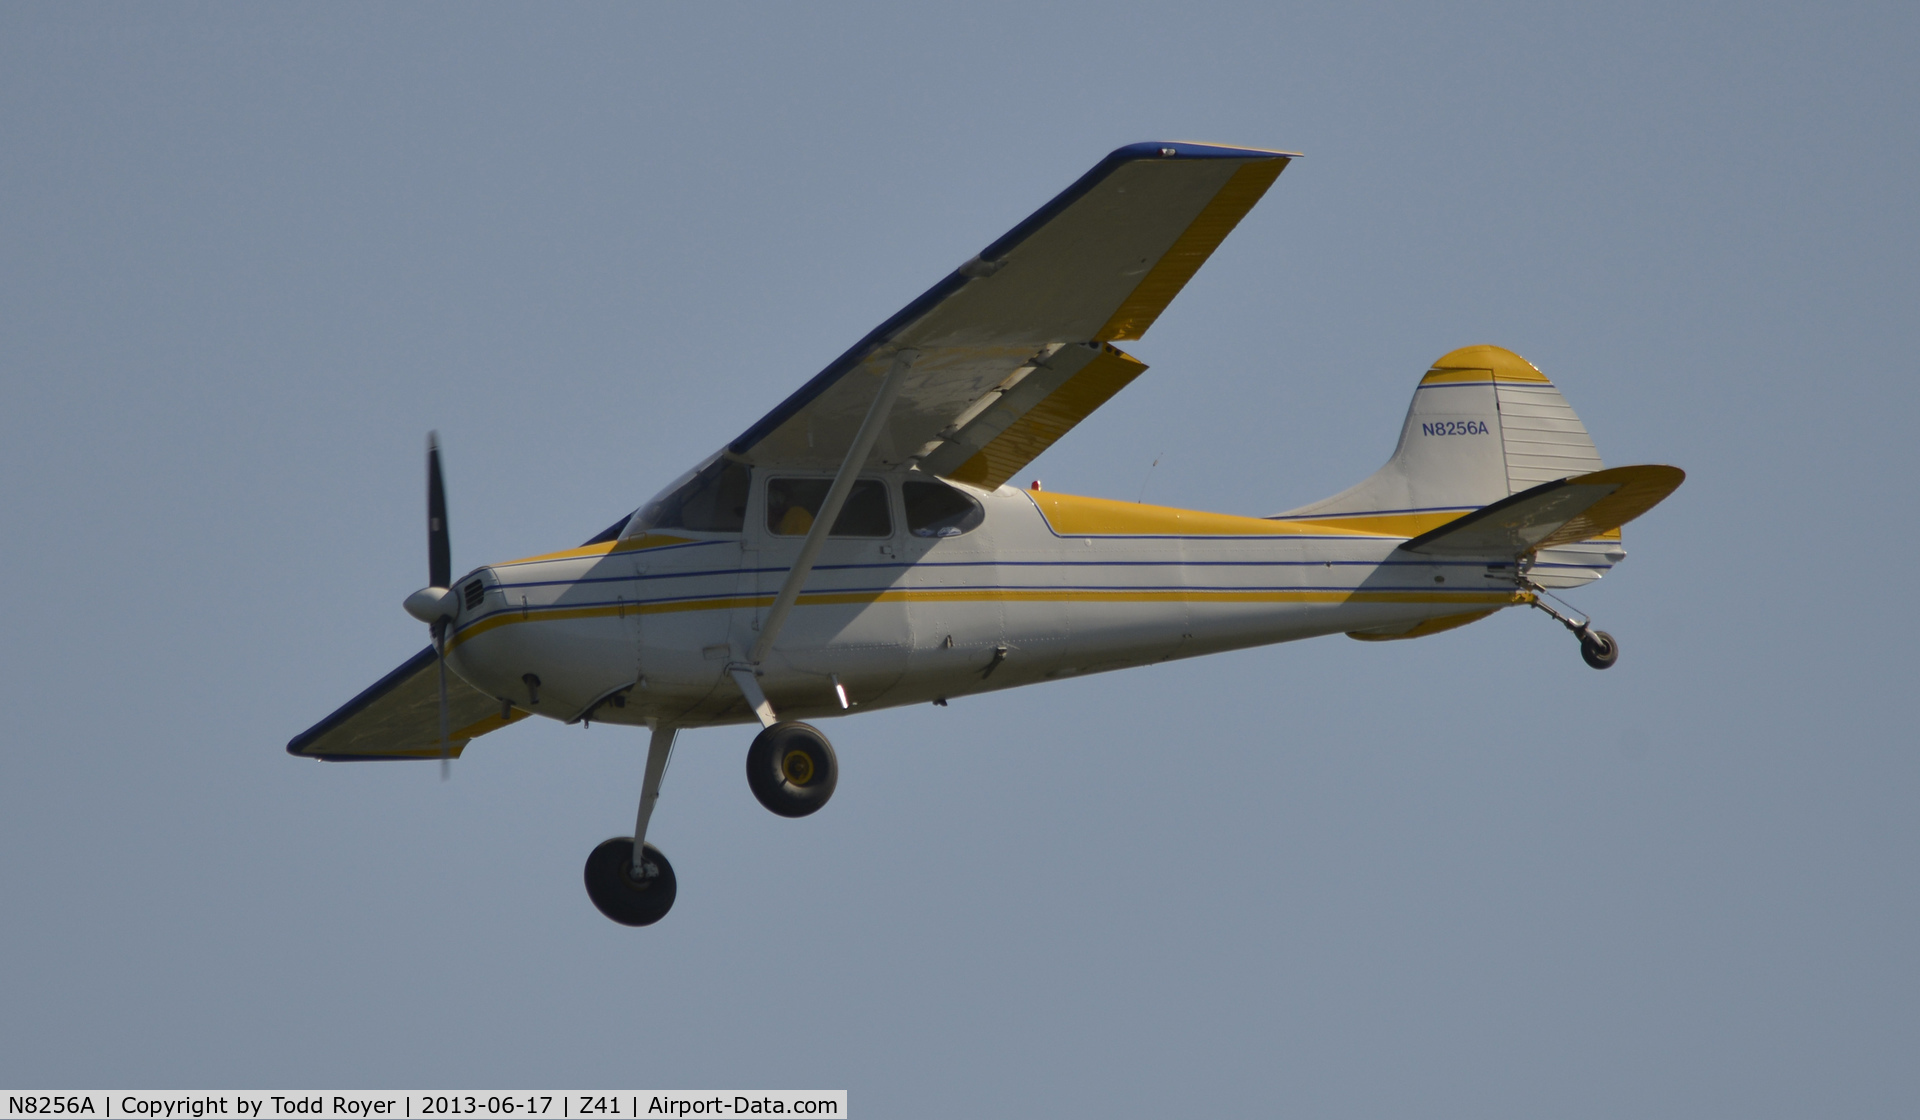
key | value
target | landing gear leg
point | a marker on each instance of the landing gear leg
(1597, 647)
(627, 878)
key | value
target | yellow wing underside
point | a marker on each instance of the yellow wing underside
(399, 717)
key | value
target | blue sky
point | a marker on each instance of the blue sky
(251, 254)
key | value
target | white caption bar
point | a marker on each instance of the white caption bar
(353, 1104)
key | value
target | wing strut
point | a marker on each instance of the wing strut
(823, 521)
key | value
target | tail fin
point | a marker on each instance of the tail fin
(1484, 424)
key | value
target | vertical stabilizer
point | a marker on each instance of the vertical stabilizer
(1484, 424)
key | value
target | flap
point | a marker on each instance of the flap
(1563, 511)
(1098, 263)
(1010, 426)
(399, 717)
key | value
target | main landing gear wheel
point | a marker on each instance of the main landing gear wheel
(627, 898)
(791, 769)
(1598, 649)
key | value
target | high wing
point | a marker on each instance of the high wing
(399, 717)
(1563, 511)
(1014, 347)
(1010, 351)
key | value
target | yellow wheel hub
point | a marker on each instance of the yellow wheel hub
(797, 767)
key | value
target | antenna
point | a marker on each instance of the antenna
(1143, 482)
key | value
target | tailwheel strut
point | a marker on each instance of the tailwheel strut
(1598, 648)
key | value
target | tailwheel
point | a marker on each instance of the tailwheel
(1598, 649)
(791, 769)
(633, 894)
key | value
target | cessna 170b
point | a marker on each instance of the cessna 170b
(859, 545)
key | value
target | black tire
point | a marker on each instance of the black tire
(1598, 649)
(791, 769)
(618, 895)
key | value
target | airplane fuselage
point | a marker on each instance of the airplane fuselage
(1046, 586)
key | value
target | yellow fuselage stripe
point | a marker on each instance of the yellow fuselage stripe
(1070, 515)
(605, 548)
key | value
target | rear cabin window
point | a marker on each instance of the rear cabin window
(793, 502)
(935, 509)
(714, 500)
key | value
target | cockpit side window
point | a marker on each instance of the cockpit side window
(935, 509)
(714, 500)
(792, 504)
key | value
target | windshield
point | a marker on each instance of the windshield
(711, 498)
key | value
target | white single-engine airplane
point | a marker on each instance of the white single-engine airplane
(858, 546)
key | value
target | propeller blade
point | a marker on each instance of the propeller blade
(439, 575)
(439, 551)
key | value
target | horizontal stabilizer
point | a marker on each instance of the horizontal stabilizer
(1563, 511)
(399, 717)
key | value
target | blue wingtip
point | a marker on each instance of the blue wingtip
(1183, 149)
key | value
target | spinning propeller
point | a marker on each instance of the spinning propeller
(435, 604)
